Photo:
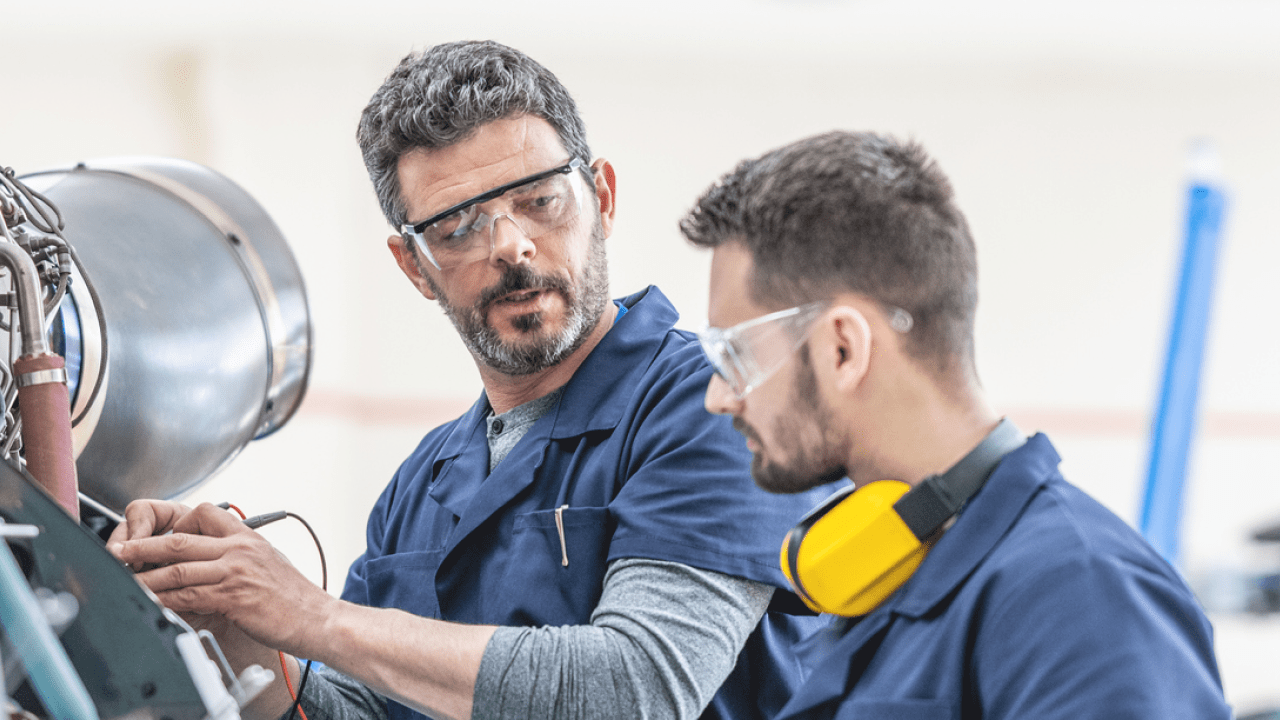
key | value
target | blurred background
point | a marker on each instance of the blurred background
(1065, 127)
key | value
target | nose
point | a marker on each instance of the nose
(720, 398)
(508, 243)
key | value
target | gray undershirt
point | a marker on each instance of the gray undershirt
(505, 430)
(660, 642)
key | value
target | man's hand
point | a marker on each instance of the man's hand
(211, 563)
(161, 542)
(144, 518)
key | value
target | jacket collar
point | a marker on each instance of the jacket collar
(595, 397)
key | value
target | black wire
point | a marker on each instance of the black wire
(258, 521)
(324, 570)
(324, 585)
(306, 673)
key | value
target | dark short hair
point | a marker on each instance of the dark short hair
(852, 212)
(442, 95)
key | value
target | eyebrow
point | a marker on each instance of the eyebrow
(565, 169)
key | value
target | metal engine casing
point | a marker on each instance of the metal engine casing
(186, 328)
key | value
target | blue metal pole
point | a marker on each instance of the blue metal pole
(1174, 425)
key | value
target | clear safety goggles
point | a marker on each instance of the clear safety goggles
(748, 353)
(538, 205)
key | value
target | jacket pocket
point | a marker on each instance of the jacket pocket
(558, 564)
(405, 581)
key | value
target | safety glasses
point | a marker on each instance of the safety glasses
(538, 205)
(748, 353)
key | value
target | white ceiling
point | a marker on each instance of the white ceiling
(1226, 31)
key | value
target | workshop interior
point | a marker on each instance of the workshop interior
(169, 178)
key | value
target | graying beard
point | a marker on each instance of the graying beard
(528, 360)
(484, 343)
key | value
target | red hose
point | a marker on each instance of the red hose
(46, 427)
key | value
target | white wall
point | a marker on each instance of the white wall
(1064, 128)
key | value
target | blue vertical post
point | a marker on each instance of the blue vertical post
(1173, 428)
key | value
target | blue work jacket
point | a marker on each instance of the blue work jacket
(1038, 603)
(638, 469)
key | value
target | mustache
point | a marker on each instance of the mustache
(520, 278)
(745, 429)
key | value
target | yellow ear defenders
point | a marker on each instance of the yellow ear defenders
(855, 549)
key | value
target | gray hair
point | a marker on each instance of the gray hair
(442, 95)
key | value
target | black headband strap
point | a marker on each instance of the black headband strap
(931, 503)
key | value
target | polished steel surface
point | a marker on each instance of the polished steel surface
(201, 340)
(27, 286)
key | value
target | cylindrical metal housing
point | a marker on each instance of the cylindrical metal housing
(196, 338)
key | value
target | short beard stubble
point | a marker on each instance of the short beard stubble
(808, 431)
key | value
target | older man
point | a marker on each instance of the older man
(586, 541)
(843, 293)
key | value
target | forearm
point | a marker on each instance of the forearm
(426, 664)
(662, 639)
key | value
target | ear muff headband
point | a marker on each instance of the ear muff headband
(855, 549)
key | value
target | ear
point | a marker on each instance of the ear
(410, 265)
(850, 355)
(606, 192)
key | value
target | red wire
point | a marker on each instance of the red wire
(289, 684)
(284, 668)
